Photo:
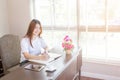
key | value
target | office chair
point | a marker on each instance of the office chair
(10, 52)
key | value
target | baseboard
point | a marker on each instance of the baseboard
(100, 76)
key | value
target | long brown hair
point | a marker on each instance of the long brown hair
(31, 29)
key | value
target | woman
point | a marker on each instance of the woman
(32, 45)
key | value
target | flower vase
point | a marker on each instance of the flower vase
(68, 51)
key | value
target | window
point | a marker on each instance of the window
(99, 26)
(94, 24)
(58, 19)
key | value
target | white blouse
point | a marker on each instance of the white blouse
(38, 47)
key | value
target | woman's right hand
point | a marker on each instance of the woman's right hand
(44, 57)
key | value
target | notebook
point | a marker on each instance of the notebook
(53, 56)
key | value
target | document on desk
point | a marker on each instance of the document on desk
(53, 56)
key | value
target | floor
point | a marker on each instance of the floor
(89, 78)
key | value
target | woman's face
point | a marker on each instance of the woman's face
(37, 30)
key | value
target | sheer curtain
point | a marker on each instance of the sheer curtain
(100, 26)
(58, 18)
(94, 24)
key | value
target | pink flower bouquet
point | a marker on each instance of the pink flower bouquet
(67, 43)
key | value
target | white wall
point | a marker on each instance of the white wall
(14, 16)
(4, 26)
(19, 16)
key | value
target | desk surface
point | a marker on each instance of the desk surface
(23, 74)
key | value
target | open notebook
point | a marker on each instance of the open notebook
(53, 56)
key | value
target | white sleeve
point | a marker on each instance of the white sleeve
(24, 45)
